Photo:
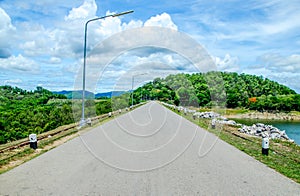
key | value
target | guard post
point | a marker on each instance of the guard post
(213, 123)
(265, 146)
(33, 141)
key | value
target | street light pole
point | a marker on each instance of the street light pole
(82, 120)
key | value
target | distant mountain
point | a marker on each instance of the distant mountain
(110, 94)
(75, 94)
(88, 95)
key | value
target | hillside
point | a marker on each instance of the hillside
(23, 112)
(228, 89)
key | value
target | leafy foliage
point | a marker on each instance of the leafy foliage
(24, 112)
(221, 88)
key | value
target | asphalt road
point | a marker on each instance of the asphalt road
(149, 151)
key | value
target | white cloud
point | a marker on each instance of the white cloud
(132, 24)
(278, 63)
(283, 69)
(64, 39)
(36, 41)
(239, 27)
(87, 10)
(282, 16)
(228, 63)
(61, 42)
(19, 63)
(55, 60)
(163, 20)
(108, 26)
(13, 82)
(5, 22)
(7, 31)
(289, 79)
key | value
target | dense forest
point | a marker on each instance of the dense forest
(228, 89)
(23, 112)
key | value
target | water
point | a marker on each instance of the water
(292, 129)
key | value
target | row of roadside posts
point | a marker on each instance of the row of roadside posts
(33, 136)
(264, 144)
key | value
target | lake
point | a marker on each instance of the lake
(292, 129)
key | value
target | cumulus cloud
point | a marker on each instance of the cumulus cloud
(108, 26)
(64, 39)
(163, 20)
(228, 63)
(6, 30)
(278, 63)
(59, 46)
(87, 10)
(19, 63)
(156, 61)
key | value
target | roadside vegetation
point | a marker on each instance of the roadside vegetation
(24, 112)
(40, 111)
(14, 157)
(283, 155)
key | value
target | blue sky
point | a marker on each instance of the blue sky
(41, 42)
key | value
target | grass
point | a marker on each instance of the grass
(225, 111)
(283, 157)
(235, 111)
(295, 112)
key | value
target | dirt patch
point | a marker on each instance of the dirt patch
(60, 141)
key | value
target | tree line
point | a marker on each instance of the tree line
(24, 112)
(231, 90)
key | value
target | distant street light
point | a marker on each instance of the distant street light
(82, 120)
(132, 87)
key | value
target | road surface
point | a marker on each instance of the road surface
(149, 151)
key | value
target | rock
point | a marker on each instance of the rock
(263, 130)
(259, 125)
(209, 115)
(258, 129)
(274, 136)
